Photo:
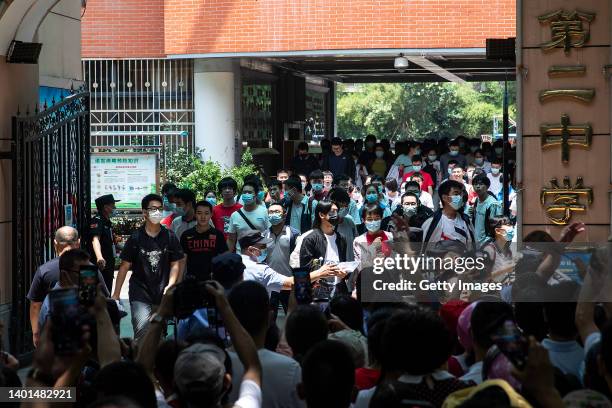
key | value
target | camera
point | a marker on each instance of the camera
(189, 296)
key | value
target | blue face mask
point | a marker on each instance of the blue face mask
(509, 235)
(456, 202)
(276, 219)
(248, 198)
(212, 201)
(179, 211)
(372, 198)
(479, 161)
(261, 195)
(454, 152)
(432, 157)
(263, 254)
(317, 187)
(373, 226)
(495, 171)
(416, 168)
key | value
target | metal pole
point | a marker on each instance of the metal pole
(506, 166)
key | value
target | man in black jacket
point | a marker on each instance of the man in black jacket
(322, 241)
(337, 161)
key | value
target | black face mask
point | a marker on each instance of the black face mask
(333, 219)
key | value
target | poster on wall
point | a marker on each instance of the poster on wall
(127, 176)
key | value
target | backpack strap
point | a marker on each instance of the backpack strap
(434, 223)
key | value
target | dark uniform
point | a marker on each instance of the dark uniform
(103, 229)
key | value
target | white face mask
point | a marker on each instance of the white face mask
(156, 216)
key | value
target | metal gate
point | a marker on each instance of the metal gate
(51, 185)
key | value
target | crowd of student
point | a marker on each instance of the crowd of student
(334, 215)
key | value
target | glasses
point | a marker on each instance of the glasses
(155, 208)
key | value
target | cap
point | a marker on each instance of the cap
(200, 368)
(105, 199)
(227, 269)
(252, 238)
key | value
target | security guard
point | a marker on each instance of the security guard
(101, 234)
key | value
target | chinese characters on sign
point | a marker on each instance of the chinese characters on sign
(565, 135)
(127, 176)
(565, 200)
(567, 29)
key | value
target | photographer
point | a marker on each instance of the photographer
(201, 374)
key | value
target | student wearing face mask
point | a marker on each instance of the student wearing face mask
(453, 154)
(449, 222)
(185, 211)
(416, 214)
(417, 167)
(250, 217)
(496, 178)
(283, 238)
(500, 233)
(481, 162)
(431, 166)
(374, 194)
(222, 212)
(152, 253)
(343, 182)
(321, 241)
(374, 242)
(414, 186)
(167, 191)
(484, 209)
(346, 224)
(379, 165)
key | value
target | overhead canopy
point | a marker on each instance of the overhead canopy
(430, 66)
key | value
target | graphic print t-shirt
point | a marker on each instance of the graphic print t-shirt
(200, 249)
(221, 217)
(150, 258)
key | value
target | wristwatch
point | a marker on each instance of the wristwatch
(41, 377)
(156, 318)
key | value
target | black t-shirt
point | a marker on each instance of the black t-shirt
(150, 258)
(103, 229)
(200, 249)
(45, 278)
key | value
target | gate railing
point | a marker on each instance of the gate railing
(51, 187)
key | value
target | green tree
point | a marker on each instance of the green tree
(420, 110)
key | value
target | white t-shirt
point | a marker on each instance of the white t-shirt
(331, 252)
(426, 199)
(364, 397)
(250, 395)
(258, 217)
(450, 226)
(348, 231)
(496, 183)
(179, 226)
(281, 375)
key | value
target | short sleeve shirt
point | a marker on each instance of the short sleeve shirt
(150, 258)
(200, 249)
(258, 217)
(103, 229)
(221, 217)
(179, 226)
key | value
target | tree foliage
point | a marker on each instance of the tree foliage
(188, 170)
(420, 110)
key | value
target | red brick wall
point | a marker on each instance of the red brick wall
(123, 28)
(126, 28)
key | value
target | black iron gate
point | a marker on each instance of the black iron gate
(51, 186)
